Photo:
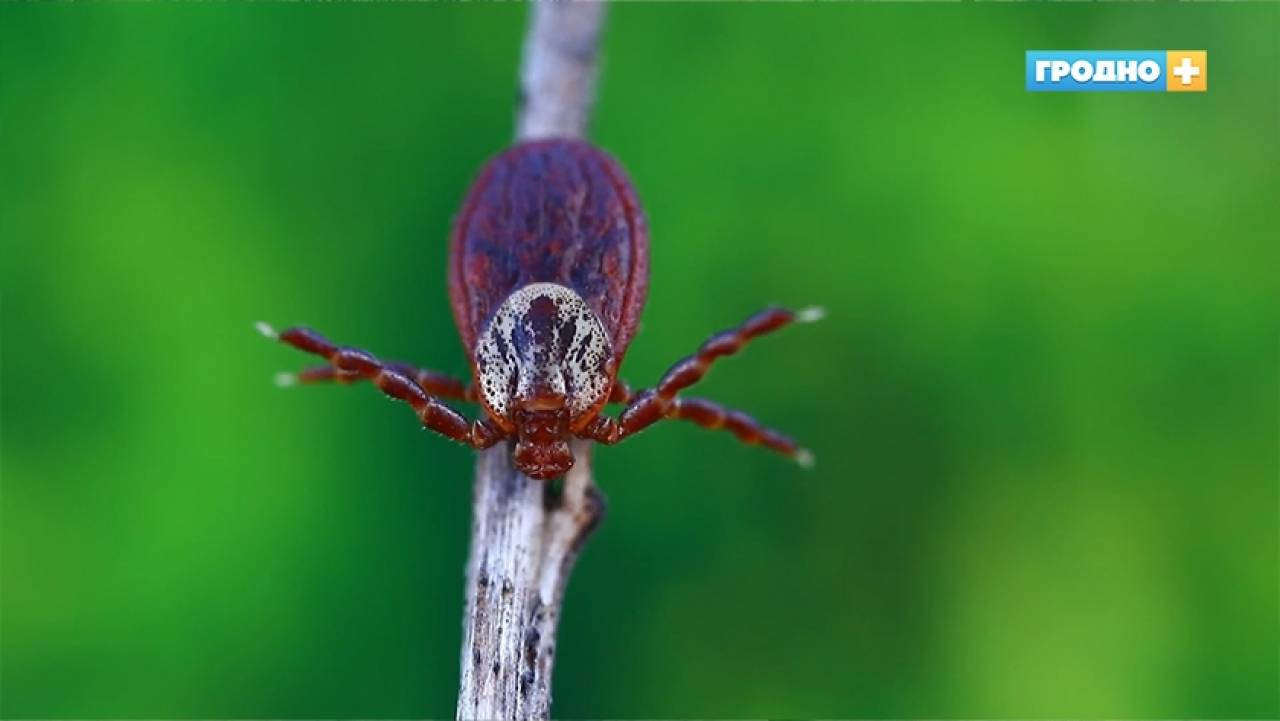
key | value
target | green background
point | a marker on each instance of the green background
(1044, 403)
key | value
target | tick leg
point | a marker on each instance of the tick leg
(621, 392)
(353, 362)
(647, 410)
(652, 405)
(691, 369)
(437, 384)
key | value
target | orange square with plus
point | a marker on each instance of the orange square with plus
(1187, 71)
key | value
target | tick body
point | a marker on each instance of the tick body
(548, 273)
(552, 211)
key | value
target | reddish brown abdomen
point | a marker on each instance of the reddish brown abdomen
(557, 211)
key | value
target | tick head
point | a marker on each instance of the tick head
(544, 368)
(541, 449)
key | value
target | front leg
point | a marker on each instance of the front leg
(434, 415)
(433, 382)
(621, 392)
(690, 370)
(647, 409)
(650, 406)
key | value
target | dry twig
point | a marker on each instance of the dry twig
(525, 536)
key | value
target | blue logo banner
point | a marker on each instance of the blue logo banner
(1092, 71)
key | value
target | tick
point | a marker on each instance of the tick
(548, 273)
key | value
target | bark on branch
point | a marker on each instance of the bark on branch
(525, 536)
(558, 71)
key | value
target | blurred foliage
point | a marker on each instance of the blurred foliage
(1044, 403)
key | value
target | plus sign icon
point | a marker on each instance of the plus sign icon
(1188, 71)
(1117, 71)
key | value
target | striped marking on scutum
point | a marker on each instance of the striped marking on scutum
(543, 338)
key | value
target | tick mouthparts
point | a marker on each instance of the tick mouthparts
(266, 330)
(811, 314)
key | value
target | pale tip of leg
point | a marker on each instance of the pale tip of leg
(804, 457)
(266, 330)
(811, 314)
(284, 380)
